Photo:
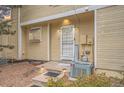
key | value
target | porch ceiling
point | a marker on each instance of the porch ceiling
(75, 18)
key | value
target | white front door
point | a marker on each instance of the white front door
(67, 42)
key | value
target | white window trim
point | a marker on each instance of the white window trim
(41, 31)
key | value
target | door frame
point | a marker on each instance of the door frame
(73, 31)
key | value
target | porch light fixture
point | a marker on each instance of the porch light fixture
(42, 69)
(65, 72)
(66, 22)
(7, 17)
(5, 13)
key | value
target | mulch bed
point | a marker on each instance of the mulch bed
(17, 74)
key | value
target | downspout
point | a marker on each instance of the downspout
(19, 37)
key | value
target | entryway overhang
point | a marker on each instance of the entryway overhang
(65, 14)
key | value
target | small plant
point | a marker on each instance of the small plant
(55, 83)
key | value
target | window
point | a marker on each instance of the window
(35, 35)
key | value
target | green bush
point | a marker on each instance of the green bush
(55, 83)
(95, 80)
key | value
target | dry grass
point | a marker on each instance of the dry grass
(17, 75)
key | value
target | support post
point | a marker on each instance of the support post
(19, 37)
(95, 42)
(48, 29)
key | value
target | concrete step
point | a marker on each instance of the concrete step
(42, 79)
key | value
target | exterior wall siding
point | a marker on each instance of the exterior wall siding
(55, 42)
(14, 38)
(11, 53)
(110, 38)
(86, 27)
(31, 12)
(35, 51)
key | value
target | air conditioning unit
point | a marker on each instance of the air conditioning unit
(35, 35)
(80, 69)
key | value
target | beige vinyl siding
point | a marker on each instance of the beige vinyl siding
(35, 51)
(55, 41)
(0, 44)
(24, 43)
(31, 12)
(39, 51)
(110, 38)
(12, 39)
(86, 27)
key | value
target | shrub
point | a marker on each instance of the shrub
(99, 80)
(95, 80)
(55, 83)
